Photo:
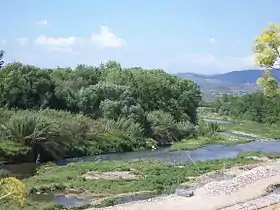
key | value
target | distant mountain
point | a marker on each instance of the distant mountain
(245, 76)
(235, 81)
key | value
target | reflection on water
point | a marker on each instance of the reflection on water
(20, 170)
(65, 201)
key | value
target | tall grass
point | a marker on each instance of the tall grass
(207, 128)
(63, 134)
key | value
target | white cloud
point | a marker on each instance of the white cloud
(56, 41)
(212, 40)
(3, 42)
(104, 39)
(61, 49)
(42, 22)
(208, 64)
(22, 40)
(61, 44)
(107, 39)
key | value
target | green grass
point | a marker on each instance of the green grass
(192, 144)
(156, 176)
(261, 130)
(270, 155)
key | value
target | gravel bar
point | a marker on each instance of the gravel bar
(226, 187)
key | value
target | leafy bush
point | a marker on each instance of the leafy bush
(256, 107)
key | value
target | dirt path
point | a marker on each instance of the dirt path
(253, 194)
(273, 207)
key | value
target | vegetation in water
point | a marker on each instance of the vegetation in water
(201, 141)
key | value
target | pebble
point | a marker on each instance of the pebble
(228, 186)
(184, 192)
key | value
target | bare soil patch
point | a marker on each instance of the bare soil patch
(111, 175)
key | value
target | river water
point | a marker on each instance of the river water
(209, 152)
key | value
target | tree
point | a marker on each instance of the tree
(267, 50)
(268, 83)
(13, 189)
(1, 56)
(25, 86)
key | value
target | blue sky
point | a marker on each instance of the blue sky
(201, 36)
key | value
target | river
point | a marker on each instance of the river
(209, 152)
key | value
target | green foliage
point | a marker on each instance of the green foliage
(208, 128)
(254, 107)
(266, 48)
(200, 141)
(57, 134)
(261, 130)
(155, 176)
(269, 84)
(10, 149)
(91, 110)
(1, 57)
(165, 129)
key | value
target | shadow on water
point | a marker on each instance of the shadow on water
(18, 170)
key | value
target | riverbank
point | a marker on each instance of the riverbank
(261, 130)
(201, 141)
(145, 176)
(254, 186)
(108, 182)
(227, 123)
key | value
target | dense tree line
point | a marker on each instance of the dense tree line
(256, 107)
(103, 108)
